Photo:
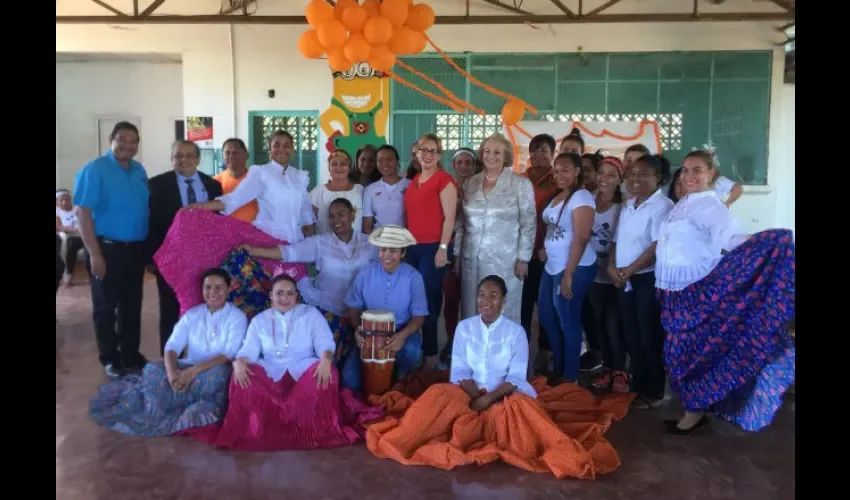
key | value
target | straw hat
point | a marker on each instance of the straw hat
(392, 237)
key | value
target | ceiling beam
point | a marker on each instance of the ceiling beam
(515, 10)
(445, 20)
(609, 3)
(243, 6)
(135, 7)
(784, 4)
(566, 10)
(110, 8)
(151, 8)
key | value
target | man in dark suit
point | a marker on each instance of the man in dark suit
(170, 192)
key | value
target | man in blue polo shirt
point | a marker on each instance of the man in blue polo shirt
(111, 195)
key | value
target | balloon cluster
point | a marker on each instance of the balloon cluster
(373, 32)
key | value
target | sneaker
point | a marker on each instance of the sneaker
(620, 381)
(645, 403)
(603, 381)
(113, 371)
(590, 361)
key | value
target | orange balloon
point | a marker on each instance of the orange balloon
(332, 34)
(309, 46)
(512, 112)
(419, 42)
(378, 30)
(356, 49)
(403, 41)
(395, 10)
(373, 8)
(337, 60)
(354, 18)
(420, 18)
(381, 58)
(340, 7)
(318, 12)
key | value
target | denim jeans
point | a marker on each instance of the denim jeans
(421, 257)
(406, 360)
(562, 318)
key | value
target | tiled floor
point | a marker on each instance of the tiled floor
(95, 464)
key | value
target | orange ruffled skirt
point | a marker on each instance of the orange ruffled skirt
(561, 431)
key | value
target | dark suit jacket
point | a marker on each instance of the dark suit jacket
(165, 202)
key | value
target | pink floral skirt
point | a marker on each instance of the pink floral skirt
(288, 415)
(199, 240)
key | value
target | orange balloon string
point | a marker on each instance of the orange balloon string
(515, 146)
(524, 132)
(437, 98)
(474, 80)
(443, 89)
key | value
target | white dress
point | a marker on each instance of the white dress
(321, 198)
(281, 194)
(206, 335)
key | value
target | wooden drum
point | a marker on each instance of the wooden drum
(377, 361)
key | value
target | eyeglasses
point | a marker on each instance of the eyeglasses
(426, 151)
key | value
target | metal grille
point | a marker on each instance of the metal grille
(696, 98)
(305, 131)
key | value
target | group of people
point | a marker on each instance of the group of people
(259, 354)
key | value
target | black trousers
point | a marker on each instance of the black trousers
(640, 314)
(60, 264)
(601, 322)
(117, 303)
(169, 311)
(73, 244)
(530, 292)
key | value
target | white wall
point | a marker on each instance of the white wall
(228, 70)
(86, 90)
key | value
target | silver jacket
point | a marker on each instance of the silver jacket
(498, 226)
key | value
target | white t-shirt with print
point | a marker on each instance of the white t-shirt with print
(604, 225)
(559, 232)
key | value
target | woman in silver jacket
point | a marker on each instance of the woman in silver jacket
(495, 233)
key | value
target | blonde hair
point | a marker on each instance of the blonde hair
(430, 136)
(708, 158)
(509, 148)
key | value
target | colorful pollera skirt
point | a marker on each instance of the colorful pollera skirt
(146, 405)
(728, 349)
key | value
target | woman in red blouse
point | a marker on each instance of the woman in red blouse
(431, 203)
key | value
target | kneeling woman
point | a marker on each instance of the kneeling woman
(180, 394)
(490, 412)
(285, 391)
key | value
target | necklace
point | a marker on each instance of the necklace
(487, 176)
(211, 329)
(345, 245)
(274, 334)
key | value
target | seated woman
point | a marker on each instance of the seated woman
(395, 286)
(338, 256)
(285, 393)
(490, 412)
(180, 394)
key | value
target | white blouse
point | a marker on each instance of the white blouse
(68, 218)
(289, 342)
(337, 263)
(692, 238)
(639, 227)
(281, 195)
(491, 355)
(206, 335)
(559, 232)
(321, 198)
(385, 202)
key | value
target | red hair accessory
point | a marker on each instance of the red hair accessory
(613, 160)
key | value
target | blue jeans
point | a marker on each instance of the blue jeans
(561, 318)
(421, 257)
(406, 360)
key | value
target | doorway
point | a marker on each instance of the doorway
(105, 124)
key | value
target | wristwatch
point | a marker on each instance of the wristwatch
(443, 246)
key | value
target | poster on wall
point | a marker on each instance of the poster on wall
(199, 129)
(611, 137)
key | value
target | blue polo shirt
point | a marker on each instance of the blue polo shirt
(117, 197)
(402, 292)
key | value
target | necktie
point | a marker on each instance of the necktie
(191, 191)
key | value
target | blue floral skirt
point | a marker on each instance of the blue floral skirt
(728, 349)
(342, 332)
(146, 405)
(251, 283)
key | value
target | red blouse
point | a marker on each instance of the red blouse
(423, 208)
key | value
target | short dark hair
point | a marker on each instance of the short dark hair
(235, 140)
(541, 139)
(180, 142)
(217, 271)
(499, 282)
(123, 126)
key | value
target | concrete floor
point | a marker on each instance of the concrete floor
(92, 463)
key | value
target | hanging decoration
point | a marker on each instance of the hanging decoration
(354, 34)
